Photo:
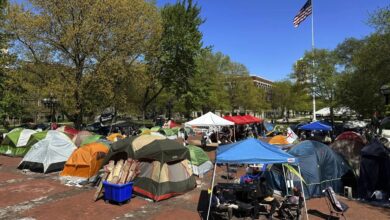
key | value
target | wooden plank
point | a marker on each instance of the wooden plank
(107, 170)
(116, 172)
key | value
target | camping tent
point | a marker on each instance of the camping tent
(321, 167)
(164, 165)
(251, 151)
(114, 137)
(86, 160)
(90, 139)
(316, 126)
(71, 132)
(200, 162)
(209, 119)
(336, 111)
(49, 154)
(80, 137)
(279, 139)
(14, 143)
(374, 169)
(352, 136)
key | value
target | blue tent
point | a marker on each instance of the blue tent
(316, 126)
(321, 167)
(252, 151)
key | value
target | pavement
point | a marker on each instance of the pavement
(28, 196)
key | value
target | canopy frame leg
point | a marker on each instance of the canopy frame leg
(211, 194)
(303, 192)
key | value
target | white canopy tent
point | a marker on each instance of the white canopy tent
(337, 111)
(209, 119)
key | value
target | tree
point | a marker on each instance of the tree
(173, 65)
(316, 72)
(83, 39)
(368, 67)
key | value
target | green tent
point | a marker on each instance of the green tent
(90, 139)
(197, 154)
(15, 142)
(199, 162)
(155, 129)
(164, 165)
(175, 130)
(167, 132)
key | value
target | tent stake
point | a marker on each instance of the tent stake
(303, 192)
(211, 194)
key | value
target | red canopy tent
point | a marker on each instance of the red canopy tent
(235, 119)
(253, 118)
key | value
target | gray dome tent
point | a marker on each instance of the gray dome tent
(320, 167)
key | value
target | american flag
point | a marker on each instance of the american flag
(303, 13)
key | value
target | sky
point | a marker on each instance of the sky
(260, 33)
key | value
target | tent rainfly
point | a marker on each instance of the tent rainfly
(49, 154)
(252, 151)
(15, 142)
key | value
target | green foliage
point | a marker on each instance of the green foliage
(82, 41)
(173, 64)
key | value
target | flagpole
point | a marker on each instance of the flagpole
(312, 46)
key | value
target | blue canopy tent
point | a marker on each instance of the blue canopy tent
(251, 151)
(316, 126)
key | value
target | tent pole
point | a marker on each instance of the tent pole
(211, 194)
(234, 132)
(303, 192)
(285, 179)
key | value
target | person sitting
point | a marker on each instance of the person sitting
(264, 195)
(220, 204)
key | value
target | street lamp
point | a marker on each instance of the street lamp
(385, 90)
(51, 103)
(169, 107)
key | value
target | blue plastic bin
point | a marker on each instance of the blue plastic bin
(118, 192)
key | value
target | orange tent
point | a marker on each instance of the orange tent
(114, 137)
(86, 160)
(279, 139)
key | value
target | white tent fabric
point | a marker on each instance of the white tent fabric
(203, 168)
(24, 137)
(209, 119)
(337, 111)
(56, 147)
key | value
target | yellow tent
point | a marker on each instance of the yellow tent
(86, 160)
(114, 137)
(279, 139)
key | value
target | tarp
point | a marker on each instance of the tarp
(86, 160)
(49, 154)
(320, 167)
(374, 169)
(252, 151)
(240, 120)
(209, 119)
(316, 126)
(14, 143)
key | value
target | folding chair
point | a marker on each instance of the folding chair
(335, 206)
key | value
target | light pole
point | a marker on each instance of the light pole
(51, 103)
(385, 90)
(169, 107)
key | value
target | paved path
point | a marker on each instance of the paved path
(27, 195)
